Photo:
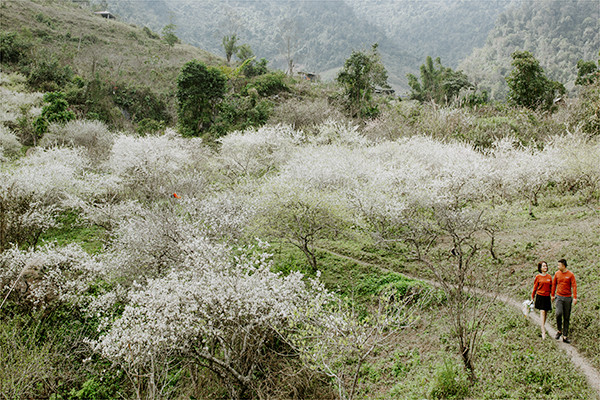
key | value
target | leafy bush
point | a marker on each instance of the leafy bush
(149, 126)
(449, 382)
(48, 74)
(141, 103)
(13, 47)
(239, 113)
(93, 389)
(251, 68)
(56, 110)
(268, 84)
(150, 34)
(94, 100)
(393, 284)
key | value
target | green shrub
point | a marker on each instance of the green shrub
(13, 47)
(252, 68)
(141, 103)
(48, 75)
(149, 126)
(268, 84)
(405, 361)
(239, 113)
(449, 382)
(150, 34)
(41, 18)
(56, 110)
(92, 389)
(95, 101)
(400, 287)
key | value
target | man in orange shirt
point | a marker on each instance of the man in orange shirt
(565, 287)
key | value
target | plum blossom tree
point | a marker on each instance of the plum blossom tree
(522, 171)
(449, 242)
(41, 278)
(425, 197)
(255, 152)
(218, 313)
(299, 216)
(37, 188)
(154, 167)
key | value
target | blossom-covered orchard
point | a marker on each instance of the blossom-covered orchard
(189, 280)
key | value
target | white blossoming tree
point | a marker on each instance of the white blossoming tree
(37, 189)
(218, 313)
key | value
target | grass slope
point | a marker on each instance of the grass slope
(91, 45)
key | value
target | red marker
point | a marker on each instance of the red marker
(176, 196)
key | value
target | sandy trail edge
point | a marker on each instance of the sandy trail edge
(592, 375)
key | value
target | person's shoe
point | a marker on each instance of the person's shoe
(558, 335)
(566, 340)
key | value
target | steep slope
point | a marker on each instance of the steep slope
(557, 32)
(93, 46)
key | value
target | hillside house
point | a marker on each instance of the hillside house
(309, 76)
(105, 14)
(385, 91)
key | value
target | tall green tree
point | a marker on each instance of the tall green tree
(587, 72)
(169, 36)
(230, 46)
(438, 83)
(361, 74)
(528, 85)
(244, 52)
(55, 110)
(199, 90)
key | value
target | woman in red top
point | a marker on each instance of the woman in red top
(541, 293)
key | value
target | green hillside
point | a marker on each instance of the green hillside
(91, 44)
(558, 33)
(65, 38)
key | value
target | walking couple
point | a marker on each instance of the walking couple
(561, 287)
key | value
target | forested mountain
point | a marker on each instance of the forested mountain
(448, 29)
(557, 32)
(323, 34)
(319, 36)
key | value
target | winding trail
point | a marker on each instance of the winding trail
(592, 375)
